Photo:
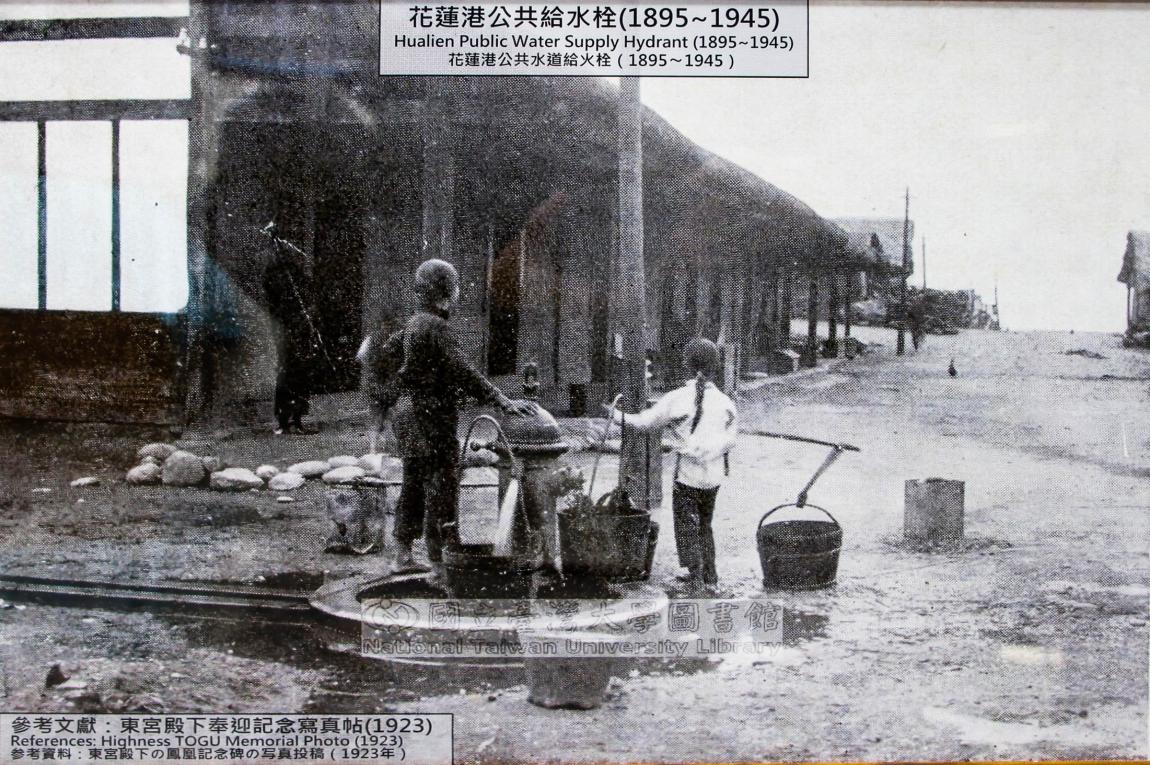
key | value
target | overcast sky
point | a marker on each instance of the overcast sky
(1021, 131)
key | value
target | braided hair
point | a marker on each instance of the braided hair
(701, 356)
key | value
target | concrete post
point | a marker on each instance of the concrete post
(933, 513)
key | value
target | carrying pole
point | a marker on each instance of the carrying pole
(800, 439)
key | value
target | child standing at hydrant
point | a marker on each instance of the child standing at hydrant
(703, 425)
(430, 386)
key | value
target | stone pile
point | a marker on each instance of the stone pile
(165, 464)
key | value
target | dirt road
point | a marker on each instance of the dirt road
(1030, 643)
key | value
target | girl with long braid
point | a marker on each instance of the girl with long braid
(703, 424)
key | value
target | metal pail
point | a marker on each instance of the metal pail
(799, 554)
(470, 571)
(604, 545)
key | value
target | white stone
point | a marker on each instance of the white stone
(383, 465)
(183, 469)
(213, 464)
(343, 461)
(288, 481)
(370, 463)
(145, 475)
(267, 471)
(310, 468)
(349, 474)
(86, 481)
(236, 479)
(160, 451)
(285, 499)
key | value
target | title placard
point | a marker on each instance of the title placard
(594, 40)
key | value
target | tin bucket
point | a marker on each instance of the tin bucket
(471, 571)
(566, 682)
(799, 554)
(612, 546)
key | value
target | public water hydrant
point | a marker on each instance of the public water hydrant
(536, 445)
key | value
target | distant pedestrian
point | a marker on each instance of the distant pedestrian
(952, 370)
(703, 425)
(423, 398)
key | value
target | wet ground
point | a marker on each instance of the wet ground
(1029, 642)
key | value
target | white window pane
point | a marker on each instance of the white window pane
(90, 9)
(153, 215)
(80, 215)
(18, 236)
(56, 70)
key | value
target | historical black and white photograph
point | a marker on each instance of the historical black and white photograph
(573, 383)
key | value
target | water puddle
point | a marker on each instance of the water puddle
(981, 731)
(1126, 590)
(1031, 655)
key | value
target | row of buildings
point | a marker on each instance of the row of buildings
(513, 179)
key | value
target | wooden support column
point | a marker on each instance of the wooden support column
(832, 346)
(642, 457)
(847, 293)
(773, 311)
(811, 356)
(728, 335)
(756, 308)
(42, 214)
(203, 149)
(786, 306)
(116, 269)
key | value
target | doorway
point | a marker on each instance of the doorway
(337, 290)
(503, 327)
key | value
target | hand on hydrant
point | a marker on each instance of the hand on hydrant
(522, 408)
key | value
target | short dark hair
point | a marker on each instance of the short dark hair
(435, 280)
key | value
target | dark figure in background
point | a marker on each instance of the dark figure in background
(423, 398)
(286, 285)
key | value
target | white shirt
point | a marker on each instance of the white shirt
(701, 454)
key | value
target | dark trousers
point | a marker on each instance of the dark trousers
(693, 510)
(428, 500)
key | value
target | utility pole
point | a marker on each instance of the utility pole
(924, 265)
(642, 456)
(901, 345)
(997, 320)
